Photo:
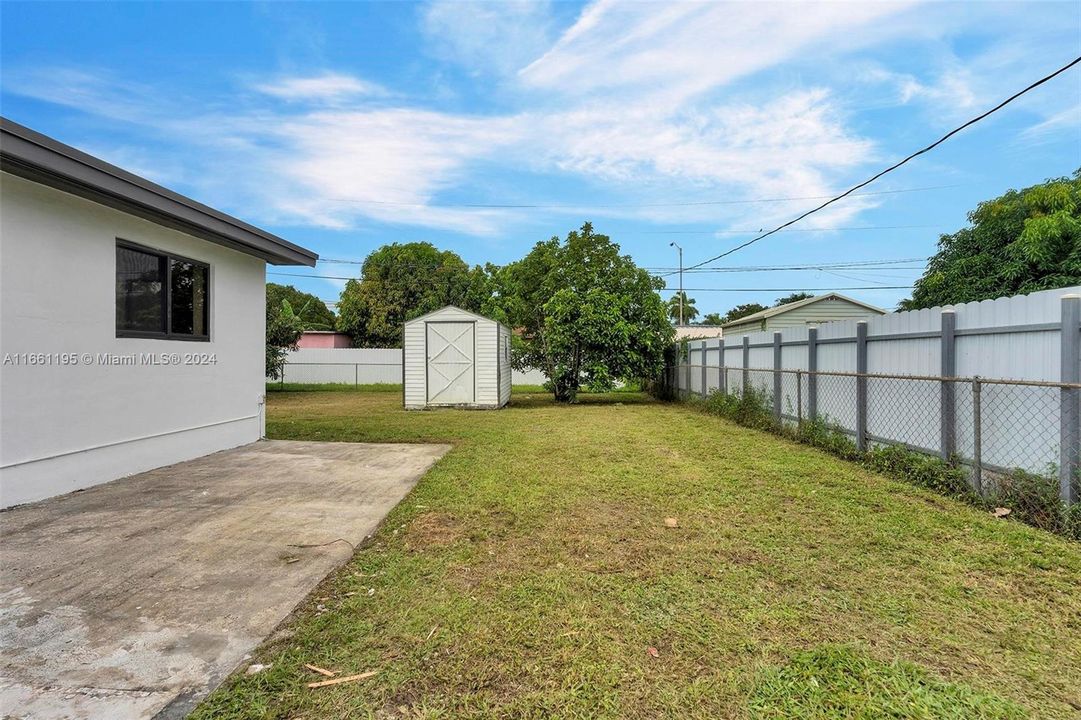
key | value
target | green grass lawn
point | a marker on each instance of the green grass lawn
(531, 573)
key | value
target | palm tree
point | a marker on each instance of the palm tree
(690, 312)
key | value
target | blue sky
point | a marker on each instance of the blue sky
(344, 126)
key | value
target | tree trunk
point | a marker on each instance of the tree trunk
(566, 385)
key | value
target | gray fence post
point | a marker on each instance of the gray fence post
(799, 399)
(687, 368)
(1069, 410)
(777, 377)
(679, 370)
(948, 401)
(723, 379)
(704, 393)
(812, 373)
(746, 361)
(861, 385)
(977, 438)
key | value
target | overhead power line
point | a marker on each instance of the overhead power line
(854, 265)
(798, 289)
(769, 290)
(580, 206)
(852, 190)
(749, 231)
(317, 277)
(857, 268)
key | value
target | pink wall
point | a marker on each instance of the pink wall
(323, 339)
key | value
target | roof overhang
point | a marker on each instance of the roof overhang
(39, 158)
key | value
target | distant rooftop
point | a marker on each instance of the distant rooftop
(779, 309)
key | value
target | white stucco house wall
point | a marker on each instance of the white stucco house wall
(132, 321)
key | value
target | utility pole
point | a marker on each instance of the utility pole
(677, 247)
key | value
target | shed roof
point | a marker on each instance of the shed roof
(780, 309)
(428, 315)
(37, 157)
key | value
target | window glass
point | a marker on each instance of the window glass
(140, 288)
(187, 298)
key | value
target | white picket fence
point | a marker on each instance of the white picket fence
(943, 394)
(362, 366)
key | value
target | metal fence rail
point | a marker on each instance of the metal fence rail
(996, 427)
(934, 380)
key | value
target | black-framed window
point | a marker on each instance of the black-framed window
(160, 295)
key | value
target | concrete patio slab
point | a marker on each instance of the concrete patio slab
(135, 598)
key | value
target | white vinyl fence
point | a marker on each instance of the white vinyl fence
(994, 384)
(362, 366)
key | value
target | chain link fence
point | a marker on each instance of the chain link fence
(1001, 432)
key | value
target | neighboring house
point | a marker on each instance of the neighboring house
(811, 312)
(132, 321)
(323, 339)
(684, 332)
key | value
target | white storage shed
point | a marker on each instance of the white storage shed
(456, 358)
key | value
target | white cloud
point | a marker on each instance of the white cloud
(488, 37)
(689, 48)
(386, 164)
(646, 103)
(327, 87)
(1066, 121)
(667, 159)
(335, 165)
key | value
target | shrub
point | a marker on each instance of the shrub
(1034, 499)
(749, 408)
(829, 437)
(1073, 522)
(923, 470)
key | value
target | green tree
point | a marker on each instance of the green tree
(283, 330)
(1024, 241)
(742, 311)
(690, 312)
(794, 297)
(312, 312)
(402, 281)
(586, 314)
(712, 319)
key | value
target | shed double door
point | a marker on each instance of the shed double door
(451, 362)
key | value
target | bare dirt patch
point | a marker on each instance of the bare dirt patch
(433, 529)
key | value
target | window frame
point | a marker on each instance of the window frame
(167, 294)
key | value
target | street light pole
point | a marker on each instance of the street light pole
(677, 247)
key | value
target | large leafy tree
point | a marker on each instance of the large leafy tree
(312, 312)
(690, 312)
(585, 313)
(1023, 241)
(741, 311)
(402, 281)
(712, 318)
